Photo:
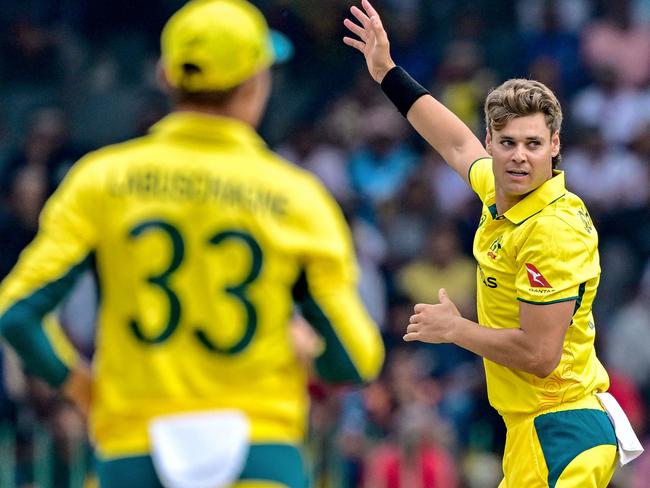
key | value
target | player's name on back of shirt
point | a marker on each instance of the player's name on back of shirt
(196, 186)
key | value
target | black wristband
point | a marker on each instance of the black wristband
(401, 89)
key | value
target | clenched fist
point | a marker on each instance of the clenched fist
(433, 323)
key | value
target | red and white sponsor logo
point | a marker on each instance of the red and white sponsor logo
(536, 278)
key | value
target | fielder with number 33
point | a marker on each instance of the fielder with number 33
(203, 240)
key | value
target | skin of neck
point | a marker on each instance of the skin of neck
(505, 202)
(247, 103)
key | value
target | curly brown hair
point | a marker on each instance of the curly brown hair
(518, 98)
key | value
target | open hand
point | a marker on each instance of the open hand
(373, 41)
(433, 323)
(307, 343)
(78, 388)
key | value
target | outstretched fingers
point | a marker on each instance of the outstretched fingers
(378, 30)
(412, 327)
(370, 38)
(355, 29)
(411, 336)
(354, 43)
(375, 22)
(370, 10)
(420, 307)
(361, 17)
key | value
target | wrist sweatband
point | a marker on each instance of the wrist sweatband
(401, 89)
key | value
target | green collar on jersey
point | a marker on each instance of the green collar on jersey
(538, 199)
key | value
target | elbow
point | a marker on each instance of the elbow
(339, 374)
(335, 365)
(373, 365)
(543, 366)
(10, 327)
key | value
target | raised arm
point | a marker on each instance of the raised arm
(443, 130)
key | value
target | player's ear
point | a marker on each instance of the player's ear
(161, 78)
(555, 144)
(488, 142)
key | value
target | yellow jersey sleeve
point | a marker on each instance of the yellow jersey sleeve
(327, 296)
(45, 272)
(553, 262)
(481, 178)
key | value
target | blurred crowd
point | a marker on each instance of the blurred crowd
(76, 75)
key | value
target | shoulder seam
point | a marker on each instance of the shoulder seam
(571, 227)
(469, 171)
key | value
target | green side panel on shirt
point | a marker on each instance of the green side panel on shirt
(335, 363)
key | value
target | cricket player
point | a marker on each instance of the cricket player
(538, 271)
(202, 240)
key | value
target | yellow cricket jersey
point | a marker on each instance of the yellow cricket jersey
(543, 250)
(202, 240)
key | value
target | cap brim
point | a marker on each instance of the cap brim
(282, 47)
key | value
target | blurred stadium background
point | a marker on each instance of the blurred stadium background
(76, 74)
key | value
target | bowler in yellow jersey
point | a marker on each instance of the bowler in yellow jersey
(537, 275)
(203, 240)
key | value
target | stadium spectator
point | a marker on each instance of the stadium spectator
(23, 197)
(608, 178)
(619, 112)
(555, 45)
(310, 149)
(47, 148)
(619, 42)
(382, 163)
(441, 264)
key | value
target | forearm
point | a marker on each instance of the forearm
(25, 334)
(28, 338)
(441, 128)
(34, 288)
(352, 346)
(446, 133)
(513, 348)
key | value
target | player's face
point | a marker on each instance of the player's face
(522, 154)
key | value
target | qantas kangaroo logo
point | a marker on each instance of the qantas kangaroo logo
(536, 278)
